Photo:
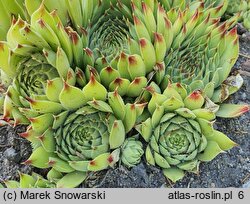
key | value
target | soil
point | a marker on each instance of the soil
(231, 169)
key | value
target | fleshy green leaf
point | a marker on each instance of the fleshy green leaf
(71, 180)
(117, 134)
(174, 174)
(222, 140)
(232, 110)
(211, 151)
(99, 163)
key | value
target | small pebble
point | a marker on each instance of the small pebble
(12, 155)
(244, 96)
(246, 185)
(212, 185)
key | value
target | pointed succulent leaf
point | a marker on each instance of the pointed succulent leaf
(54, 175)
(145, 129)
(130, 117)
(108, 75)
(231, 110)
(156, 99)
(211, 151)
(53, 89)
(47, 141)
(62, 63)
(174, 174)
(71, 180)
(121, 85)
(99, 163)
(136, 86)
(79, 165)
(42, 122)
(100, 105)
(149, 156)
(148, 54)
(117, 134)
(26, 181)
(39, 158)
(194, 101)
(160, 47)
(204, 113)
(136, 66)
(157, 115)
(222, 140)
(185, 112)
(172, 104)
(71, 97)
(60, 165)
(94, 90)
(12, 184)
(80, 77)
(43, 106)
(114, 157)
(123, 66)
(117, 105)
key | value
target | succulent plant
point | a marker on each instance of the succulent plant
(9, 9)
(131, 152)
(151, 45)
(240, 7)
(78, 130)
(159, 54)
(34, 53)
(81, 76)
(199, 50)
(124, 54)
(60, 7)
(25, 9)
(231, 8)
(180, 132)
(29, 181)
(220, 5)
(206, 62)
(113, 49)
(235, 6)
(246, 19)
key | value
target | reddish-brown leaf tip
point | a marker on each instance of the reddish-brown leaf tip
(195, 95)
(118, 81)
(132, 60)
(27, 162)
(74, 37)
(1, 46)
(92, 163)
(109, 69)
(110, 159)
(143, 42)
(41, 23)
(88, 51)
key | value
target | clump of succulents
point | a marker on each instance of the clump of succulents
(83, 76)
(187, 46)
